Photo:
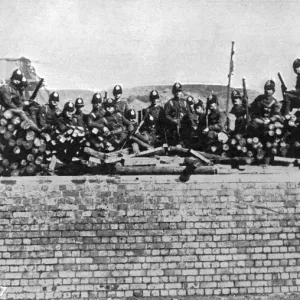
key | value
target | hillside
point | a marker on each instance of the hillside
(138, 97)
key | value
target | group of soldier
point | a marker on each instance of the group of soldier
(184, 120)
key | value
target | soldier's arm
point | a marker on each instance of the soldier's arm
(168, 113)
(221, 123)
(94, 124)
(6, 97)
(61, 126)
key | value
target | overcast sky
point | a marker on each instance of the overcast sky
(96, 44)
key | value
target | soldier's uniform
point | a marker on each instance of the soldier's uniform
(79, 114)
(49, 113)
(175, 110)
(121, 104)
(67, 118)
(94, 118)
(238, 111)
(147, 132)
(11, 94)
(265, 106)
(157, 113)
(115, 125)
(292, 98)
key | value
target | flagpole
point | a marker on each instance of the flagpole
(229, 76)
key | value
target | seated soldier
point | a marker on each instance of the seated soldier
(216, 119)
(192, 128)
(49, 113)
(11, 93)
(120, 103)
(265, 107)
(131, 116)
(94, 119)
(115, 125)
(67, 117)
(79, 114)
(239, 111)
(147, 132)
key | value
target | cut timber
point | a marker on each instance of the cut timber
(140, 161)
(160, 170)
(94, 153)
(172, 160)
(178, 150)
(285, 159)
(135, 148)
(200, 156)
(52, 163)
(152, 152)
(115, 159)
(94, 160)
(141, 143)
(121, 152)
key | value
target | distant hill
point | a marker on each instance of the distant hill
(138, 97)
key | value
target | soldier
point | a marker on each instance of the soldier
(147, 132)
(157, 112)
(94, 119)
(191, 102)
(216, 119)
(49, 113)
(121, 104)
(265, 106)
(131, 116)
(79, 114)
(67, 118)
(292, 98)
(175, 109)
(239, 111)
(115, 125)
(11, 94)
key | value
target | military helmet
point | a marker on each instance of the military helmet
(117, 90)
(270, 85)
(199, 104)
(54, 97)
(235, 94)
(190, 100)
(79, 102)
(177, 87)
(212, 99)
(131, 114)
(109, 103)
(97, 98)
(17, 76)
(296, 64)
(154, 95)
(69, 106)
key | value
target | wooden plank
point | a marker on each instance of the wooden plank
(200, 156)
(141, 143)
(151, 152)
(140, 161)
(94, 153)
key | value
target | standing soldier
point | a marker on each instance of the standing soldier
(121, 104)
(11, 94)
(292, 98)
(175, 109)
(239, 111)
(79, 114)
(49, 113)
(216, 119)
(157, 113)
(265, 106)
(115, 125)
(94, 119)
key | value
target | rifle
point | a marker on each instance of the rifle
(105, 95)
(283, 86)
(246, 101)
(34, 94)
(134, 132)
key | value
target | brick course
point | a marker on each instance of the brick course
(101, 237)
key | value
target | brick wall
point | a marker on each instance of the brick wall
(215, 237)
